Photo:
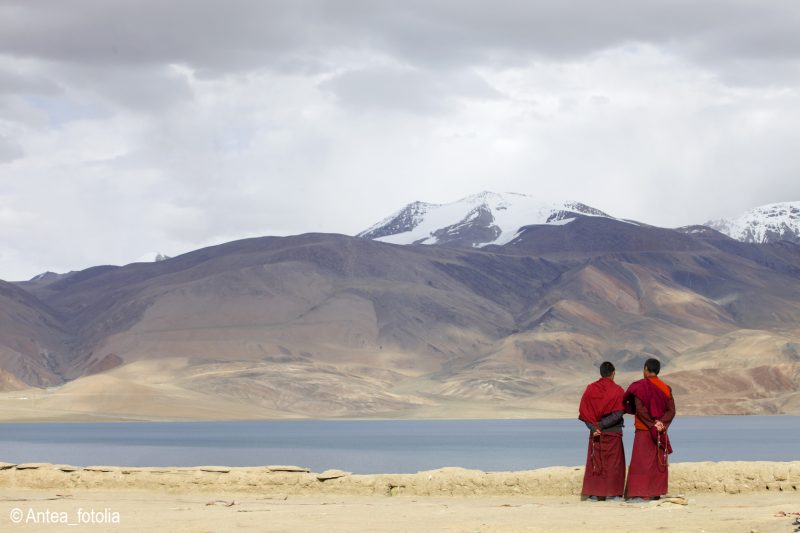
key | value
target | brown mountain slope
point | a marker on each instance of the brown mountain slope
(328, 325)
(31, 339)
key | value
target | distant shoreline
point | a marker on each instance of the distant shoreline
(143, 420)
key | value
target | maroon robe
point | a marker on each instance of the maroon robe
(650, 400)
(605, 458)
(605, 466)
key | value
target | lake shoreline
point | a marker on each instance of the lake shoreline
(141, 420)
(723, 496)
(725, 477)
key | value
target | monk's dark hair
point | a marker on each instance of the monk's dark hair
(653, 365)
(606, 369)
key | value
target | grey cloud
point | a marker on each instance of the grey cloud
(241, 34)
(12, 82)
(142, 88)
(204, 34)
(9, 150)
(406, 89)
(120, 53)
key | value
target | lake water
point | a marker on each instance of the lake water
(372, 446)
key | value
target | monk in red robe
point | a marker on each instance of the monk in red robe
(651, 401)
(601, 410)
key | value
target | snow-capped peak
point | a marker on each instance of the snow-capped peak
(47, 276)
(152, 257)
(476, 220)
(766, 223)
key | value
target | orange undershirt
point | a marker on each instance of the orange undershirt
(663, 388)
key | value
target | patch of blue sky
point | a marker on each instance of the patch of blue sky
(61, 110)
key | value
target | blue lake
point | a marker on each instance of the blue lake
(371, 446)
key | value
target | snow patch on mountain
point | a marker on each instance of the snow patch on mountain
(767, 223)
(481, 219)
(49, 276)
(152, 257)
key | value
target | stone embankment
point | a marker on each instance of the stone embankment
(283, 481)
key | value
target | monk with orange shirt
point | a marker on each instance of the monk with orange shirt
(651, 401)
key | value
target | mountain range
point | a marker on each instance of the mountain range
(492, 218)
(506, 312)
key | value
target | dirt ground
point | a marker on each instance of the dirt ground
(53, 510)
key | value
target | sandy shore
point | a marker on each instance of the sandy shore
(146, 511)
(725, 496)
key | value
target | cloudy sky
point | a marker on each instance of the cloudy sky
(135, 126)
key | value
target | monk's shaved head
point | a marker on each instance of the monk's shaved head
(606, 369)
(653, 365)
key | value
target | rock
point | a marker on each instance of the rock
(287, 468)
(66, 468)
(332, 474)
(6, 466)
(32, 466)
(677, 500)
(100, 469)
(217, 469)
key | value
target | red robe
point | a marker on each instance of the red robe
(650, 400)
(605, 458)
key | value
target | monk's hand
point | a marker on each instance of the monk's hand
(659, 426)
(597, 433)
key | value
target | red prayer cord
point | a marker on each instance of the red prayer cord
(595, 470)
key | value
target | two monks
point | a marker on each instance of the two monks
(601, 409)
